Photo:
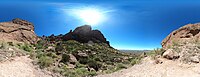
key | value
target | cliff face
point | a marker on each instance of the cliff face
(18, 30)
(183, 44)
(83, 34)
(183, 34)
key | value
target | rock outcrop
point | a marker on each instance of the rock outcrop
(183, 44)
(185, 33)
(170, 54)
(18, 30)
(83, 34)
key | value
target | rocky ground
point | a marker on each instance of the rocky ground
(179, 57)
(168, 68)
(20, 67)
(85, 52)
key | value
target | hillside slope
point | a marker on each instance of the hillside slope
(168, 68)
(178, 57)
(80, 53)
(20, 67)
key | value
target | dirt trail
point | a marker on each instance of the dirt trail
(168, 68)
(20, 67)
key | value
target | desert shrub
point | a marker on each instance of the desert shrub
(32, 55)
(159, 51)
(100, 57)
(58, 70)
(83, 60)
(126, 62)
(51, 54)
(3, 45)
(26, 47)
(40, 44)
(79, 65)
(92, 73)
(39, 53)
(81, 71)
(175, 43)
(156, 52)
(72, 42)
(59, 48)
(97, 59)
(10, 43)
(135, 61)
(120, 66)
(70, 73)
(65, 58)
(45, 61)
(94, 64)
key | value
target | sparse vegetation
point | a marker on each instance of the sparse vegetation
(156, 52)
(91, 60)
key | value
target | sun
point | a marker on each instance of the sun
(90, 16)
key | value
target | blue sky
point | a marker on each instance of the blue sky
(130, 24)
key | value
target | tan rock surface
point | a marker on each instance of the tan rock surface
(20, 67)
(185, 33)
(168, 68)
(18, 30)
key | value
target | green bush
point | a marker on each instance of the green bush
(156, 52)
(65, 58)
(94, 64)
(92, 73)
(135, 61)
(45, 61)
(120, 66)
(81, 71)
(3, 45)
(26, 47)
(83, 60)
(40, 44)
(10, 43)
(78, 65)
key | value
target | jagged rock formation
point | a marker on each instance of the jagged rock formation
(18, 30)
(183, 44)
(83, 34)
(187, 32)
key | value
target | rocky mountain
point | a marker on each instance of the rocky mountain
(83, 34)
(178, 57)
(185, 33)
(82, 52)
(18, 30)
(183, 44)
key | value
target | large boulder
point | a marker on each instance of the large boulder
(18, 30)
(185, 33)
(170, 54)
(85, 34)
(183, 43)
(72, 59)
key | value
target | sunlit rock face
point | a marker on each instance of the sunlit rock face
(184, 34)
(18, 30)
(85, 34)
(183, 44)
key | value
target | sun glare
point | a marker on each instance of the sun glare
(90, 16)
